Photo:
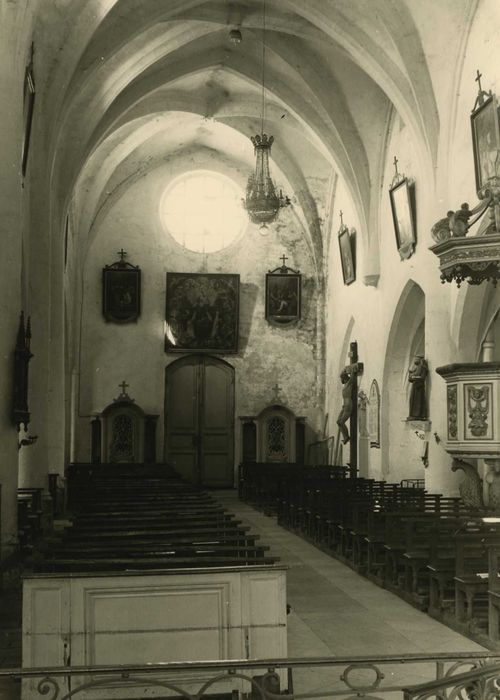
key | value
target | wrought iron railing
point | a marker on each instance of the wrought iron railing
(466, 676)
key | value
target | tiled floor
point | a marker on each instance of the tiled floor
(336, 612)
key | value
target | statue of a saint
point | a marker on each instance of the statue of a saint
(417, 377)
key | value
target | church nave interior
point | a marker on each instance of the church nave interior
(249, 246)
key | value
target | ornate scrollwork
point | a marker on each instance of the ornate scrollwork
(362, 688)
(478, 406)
(46, 685)
(476, 678)
(471, 488)
(276, 436)
(452, 402)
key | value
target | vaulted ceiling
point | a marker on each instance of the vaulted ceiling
(132, 82)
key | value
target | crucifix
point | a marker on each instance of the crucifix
(482, 95)
(341, 214)
(276, 392)
(123, 386)
(349, 411)
(123, 254)
(478, 81)
(396, 161)
(283, 259)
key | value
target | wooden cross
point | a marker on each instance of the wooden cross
(276, 392)
(122, 254)
(478, 81)
(123, 386)
(354, 369)
(395, 161)
(284, 259)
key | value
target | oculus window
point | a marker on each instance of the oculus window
(203, 211)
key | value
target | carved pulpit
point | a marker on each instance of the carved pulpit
(123, 432)
(473, 428)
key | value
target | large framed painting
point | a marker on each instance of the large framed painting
(346, 245)
(202, 312)
(402, 214)
(121, 292)
(283, 296)
(485, 141)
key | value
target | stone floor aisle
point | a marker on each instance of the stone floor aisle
(336, 612)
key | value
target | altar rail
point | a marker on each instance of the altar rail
(409, 676)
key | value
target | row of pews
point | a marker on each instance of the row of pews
(146, 568)
(429, 549)
(141, 517)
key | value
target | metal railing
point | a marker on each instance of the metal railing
(466, 676)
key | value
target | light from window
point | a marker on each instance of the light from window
(203, 211)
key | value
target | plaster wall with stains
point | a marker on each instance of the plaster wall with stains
(267, 355)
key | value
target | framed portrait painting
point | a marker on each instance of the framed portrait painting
(347, 255)
(402, 215)
(485, 141)
(283, 297)
(202, 312)
(121, 293)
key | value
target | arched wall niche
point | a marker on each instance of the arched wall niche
(489, 331)
(470, 319)
(401, 449)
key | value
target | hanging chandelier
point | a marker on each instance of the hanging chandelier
(262, 202)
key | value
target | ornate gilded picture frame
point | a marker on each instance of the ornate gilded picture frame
(485, 141)
(202, 312)
(283, 296)
(347, 255)
(401, 196)
(121, 292)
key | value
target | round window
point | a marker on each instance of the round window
(203, 211)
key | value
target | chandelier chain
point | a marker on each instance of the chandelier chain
(263, 109)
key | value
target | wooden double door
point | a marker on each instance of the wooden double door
(199, 420)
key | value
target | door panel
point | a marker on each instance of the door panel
(217, 412)
(199, 414)
(182, 420)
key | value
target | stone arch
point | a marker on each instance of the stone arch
(488, 347)
(406, 337)
(468, 323)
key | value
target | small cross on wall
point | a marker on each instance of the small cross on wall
(276, 392)
(123, 254)
(283, 259)
(123, 387)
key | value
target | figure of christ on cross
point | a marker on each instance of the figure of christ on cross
(349, 410)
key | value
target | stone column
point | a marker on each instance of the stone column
(11, 206)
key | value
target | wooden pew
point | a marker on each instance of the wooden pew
(471, 577)
(29, 516)
(494, 593)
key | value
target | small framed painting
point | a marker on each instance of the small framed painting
(346, 241)
(283, 296)
(485, 141)
(202, 312)
(402, 214)
(121, 292)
